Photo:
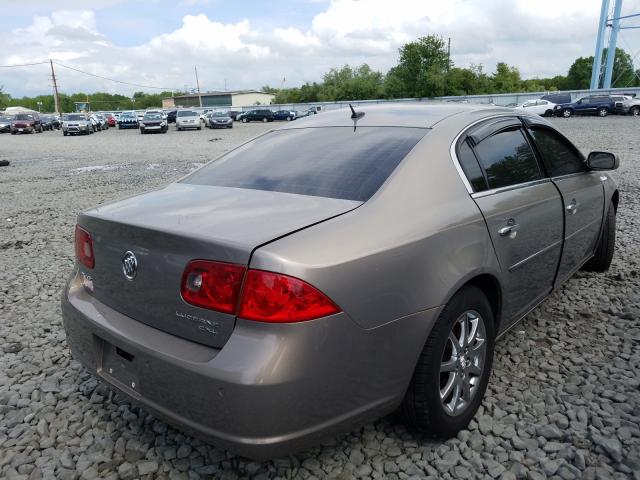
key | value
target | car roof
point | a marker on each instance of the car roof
(424, 115)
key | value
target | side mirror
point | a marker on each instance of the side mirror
(602, 161)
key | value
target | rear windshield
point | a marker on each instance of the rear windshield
(333, 162)
(187, 113)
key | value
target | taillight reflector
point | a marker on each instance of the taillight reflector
(84, 247)
(212, 285)
(274, 297)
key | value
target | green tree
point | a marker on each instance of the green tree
(506, 79)
(422, 68)
(579, 76)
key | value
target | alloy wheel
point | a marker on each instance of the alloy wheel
(463, 362)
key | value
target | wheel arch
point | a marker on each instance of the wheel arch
(615, 199)
(490, 286)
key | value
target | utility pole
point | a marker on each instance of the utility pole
(56, 98)
(198, 85)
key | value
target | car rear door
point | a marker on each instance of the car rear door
(522, 210)
(582, 194)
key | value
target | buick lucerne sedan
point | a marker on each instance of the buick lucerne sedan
(336, 269)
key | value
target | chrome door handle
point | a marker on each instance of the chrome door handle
(572, 208)
(510, 228)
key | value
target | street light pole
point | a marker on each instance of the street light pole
(198, 85)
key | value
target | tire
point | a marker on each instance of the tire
(199, 128)
(603, 112)
(548, 113)
(601, 260)
(635, 111)
(265, 120)
(142, 131)
(566, 113)
(65, 133)
(422, 409)
(288, 119)
(244, 120)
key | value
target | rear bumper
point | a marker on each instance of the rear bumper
(271, 390)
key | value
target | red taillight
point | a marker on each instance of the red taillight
(84, 247)
(213, 285)
(262, 296)
(273, 297)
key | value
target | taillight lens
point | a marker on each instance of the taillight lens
(273, 297)
(212, 285)
(84, 247)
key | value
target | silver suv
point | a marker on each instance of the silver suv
(76, 123)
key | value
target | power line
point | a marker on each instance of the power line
(113, 79)
(23, 64)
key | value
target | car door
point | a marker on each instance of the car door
(582, 193)
(522, 210)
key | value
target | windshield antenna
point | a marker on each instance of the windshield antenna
(355, 116)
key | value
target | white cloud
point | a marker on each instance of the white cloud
(541, 38)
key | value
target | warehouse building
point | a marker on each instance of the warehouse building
(238, 98)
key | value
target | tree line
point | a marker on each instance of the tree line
(424, 70)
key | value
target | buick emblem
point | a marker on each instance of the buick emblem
(129, 265)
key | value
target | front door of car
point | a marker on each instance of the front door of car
(582, 196)
(523, 214)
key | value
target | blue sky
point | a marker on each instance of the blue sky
(248, 44)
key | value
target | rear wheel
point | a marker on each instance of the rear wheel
(265, 120)
(635, 111)
(566, 113)
(601, 260)
(603, 112)
(548, 113)
(454, 367)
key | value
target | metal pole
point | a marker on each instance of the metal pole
(56, 99)
(613, 40)
(597, 58)
(198, 84)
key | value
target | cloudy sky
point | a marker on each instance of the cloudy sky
(251, 43)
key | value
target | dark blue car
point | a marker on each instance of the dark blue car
(601, 105)
(284, 115)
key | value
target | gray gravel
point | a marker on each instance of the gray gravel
(563, 403)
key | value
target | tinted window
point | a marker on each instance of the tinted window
(471, 168)
(186, 113)
(507, 159)
(559, 157)
(333, 162)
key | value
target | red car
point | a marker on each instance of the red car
(26, 123)
(111, 120)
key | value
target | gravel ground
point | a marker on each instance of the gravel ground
(563, 402)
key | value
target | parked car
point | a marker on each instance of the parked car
(218, 120)
(26, 123)
(628, 106)
(557, 98)
(247, 284)
(76, 123)
(601, 105)
(5, 123)
(171, 116)
(153, 122)
(544, 108)
(233, 114)
(284, 115)
(128, 120)
(187, 119)
(239, 116)
(258, 115)
(102, 120)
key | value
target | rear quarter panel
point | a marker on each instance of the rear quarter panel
(408, 249)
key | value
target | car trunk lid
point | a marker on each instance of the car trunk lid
(166, 229)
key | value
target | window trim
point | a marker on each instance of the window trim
(461, 137)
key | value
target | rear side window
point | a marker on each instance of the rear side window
(559, 157)
(507, 159)
(471, 167)
(333, 162)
